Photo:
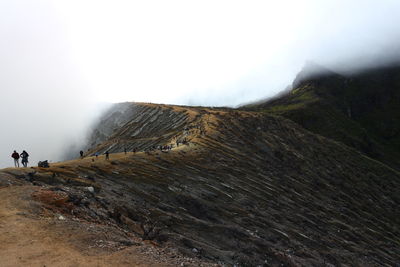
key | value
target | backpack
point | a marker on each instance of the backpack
(43, 164)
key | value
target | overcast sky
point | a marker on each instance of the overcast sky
(59, 58)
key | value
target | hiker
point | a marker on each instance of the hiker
(24, 155)
(125, 150)
(15, 156)
(81, 153)
(107, 155)
(96, 154)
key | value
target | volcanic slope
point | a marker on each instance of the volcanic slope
(245, 188)
(361, 110)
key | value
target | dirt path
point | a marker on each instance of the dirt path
(29, 240)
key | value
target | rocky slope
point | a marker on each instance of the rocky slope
(246, 188)
(361, 110)
(141, 126)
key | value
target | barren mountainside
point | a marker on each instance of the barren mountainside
(243, 187)
(130, 125)
(360, 110)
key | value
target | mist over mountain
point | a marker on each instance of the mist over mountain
(214, 133)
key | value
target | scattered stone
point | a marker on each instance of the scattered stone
(90, 189)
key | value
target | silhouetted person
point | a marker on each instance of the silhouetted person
(125, 150)
(81, 153)
(15, 156)
(107, 155)
(96, 154)
(24, 155)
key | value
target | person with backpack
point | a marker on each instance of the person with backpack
(15, 156)
(24, 155)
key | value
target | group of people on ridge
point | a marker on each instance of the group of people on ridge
(81, 153)
(24, 156)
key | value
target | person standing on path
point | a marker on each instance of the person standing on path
(107, 155)
(15, 156)
(81, 153)
(24, 155)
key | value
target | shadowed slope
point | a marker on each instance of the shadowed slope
(362, 111)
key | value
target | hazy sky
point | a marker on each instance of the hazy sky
(58, 58)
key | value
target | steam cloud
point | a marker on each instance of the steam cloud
(59, 58)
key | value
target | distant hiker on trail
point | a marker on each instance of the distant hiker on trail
(125, 150)
(96, 154)
(24, 155)
(81, 153)
(15, 156)
(107, 155)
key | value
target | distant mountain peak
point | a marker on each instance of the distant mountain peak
(312, 71)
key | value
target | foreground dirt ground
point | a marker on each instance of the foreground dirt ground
(30, 239)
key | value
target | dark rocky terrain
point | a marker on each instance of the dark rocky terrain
(246, 188)
(361, 110)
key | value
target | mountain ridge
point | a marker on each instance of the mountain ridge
(244, 188)
(360, 110)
